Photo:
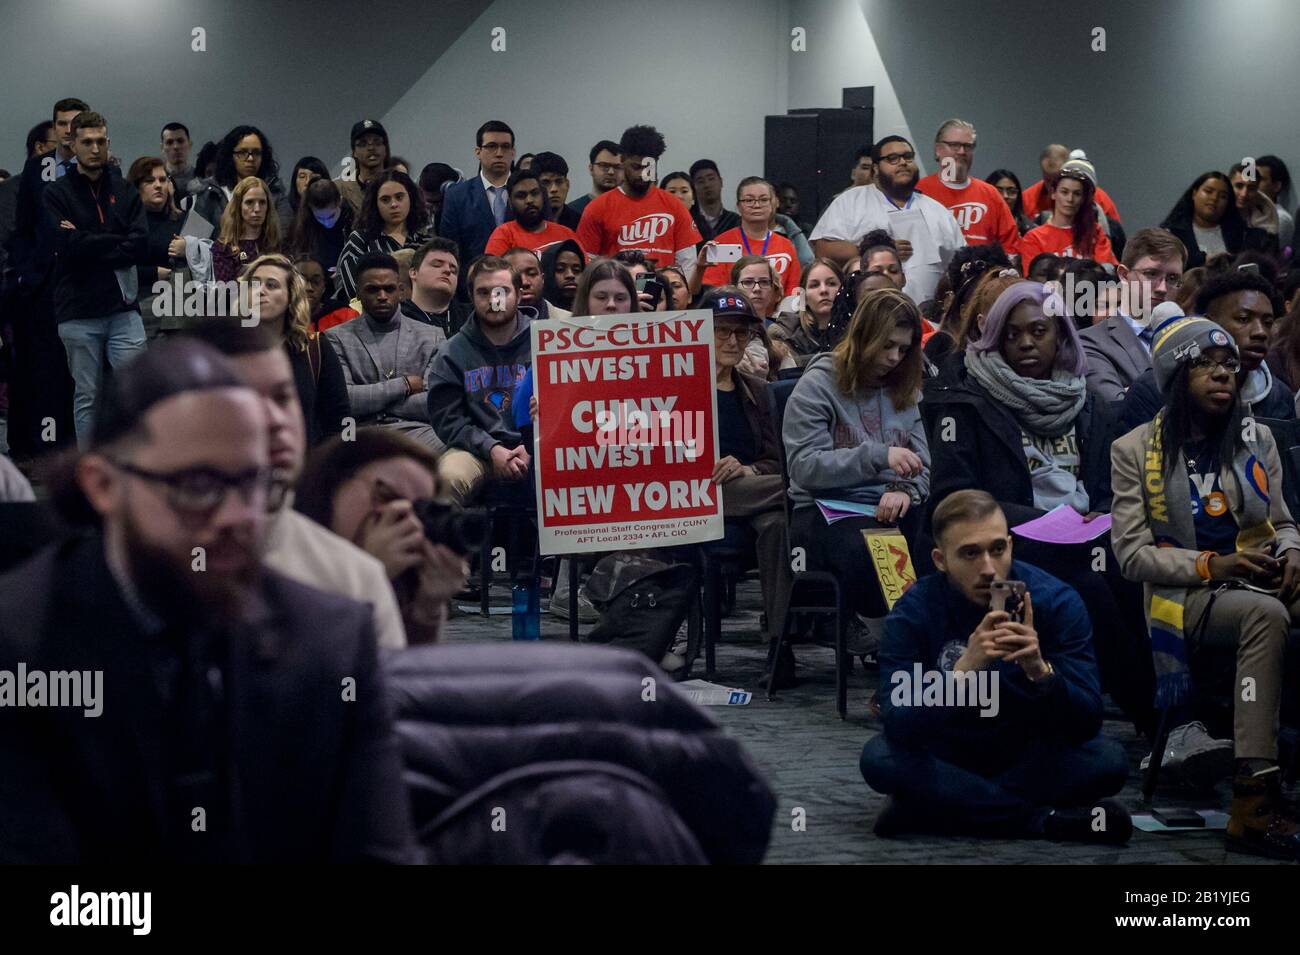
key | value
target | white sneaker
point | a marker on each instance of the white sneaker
(559, 607)
(1198, 758)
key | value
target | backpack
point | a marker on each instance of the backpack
(641, 601)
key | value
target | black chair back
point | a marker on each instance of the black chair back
(779, 393)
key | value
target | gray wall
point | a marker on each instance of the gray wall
(1184, 86)
(573, 73)
(302, 70)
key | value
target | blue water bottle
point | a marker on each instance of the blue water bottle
(526, 608)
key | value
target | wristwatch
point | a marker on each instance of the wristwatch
(1051, 672)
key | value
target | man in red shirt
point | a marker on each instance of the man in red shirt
(638, 214)
(529, 228)
(981, 213)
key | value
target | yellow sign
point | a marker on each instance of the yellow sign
(892, 562)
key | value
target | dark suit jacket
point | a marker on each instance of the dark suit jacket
(30, 251)
(467, 218)
(1115, 357)
(309, 776)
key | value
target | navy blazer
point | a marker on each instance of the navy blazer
(467, 219)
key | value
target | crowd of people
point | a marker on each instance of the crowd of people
(349, 355)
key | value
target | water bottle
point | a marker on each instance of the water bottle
(526, 609)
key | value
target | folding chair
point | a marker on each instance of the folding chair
(814, 594)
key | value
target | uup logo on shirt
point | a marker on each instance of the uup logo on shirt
(969, 214)
(645, 229)
(780, 261)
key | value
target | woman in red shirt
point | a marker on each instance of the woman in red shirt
(756, 200)
(1073, 230)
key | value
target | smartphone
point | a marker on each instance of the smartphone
(649, 282)
(1009, 595)
(723, 253)
(1180, 818)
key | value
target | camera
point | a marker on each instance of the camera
(461, 529)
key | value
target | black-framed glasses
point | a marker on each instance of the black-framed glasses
(1206, 363)
(741, 333)
(896, 158)
(1154, 276)
(202, 490)
(248, 154)
(750, 285)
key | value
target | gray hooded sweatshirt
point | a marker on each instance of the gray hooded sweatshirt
(837, 445)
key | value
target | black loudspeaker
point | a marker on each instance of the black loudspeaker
(814, 149)
(859, 97)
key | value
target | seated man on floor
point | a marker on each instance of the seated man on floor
(386, 356)
(473, 381)
(992, 726)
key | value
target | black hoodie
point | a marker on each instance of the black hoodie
(472, 385)
(551, 291)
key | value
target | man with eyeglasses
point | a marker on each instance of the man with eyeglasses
(472, 209)
(605, 164)
(1119, 348)
(232, 698)
(638, 214)
(925, 232)
(980, 211)
(294, 545)
(1244, 304)
(370, 152)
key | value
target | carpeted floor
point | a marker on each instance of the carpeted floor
(810, 759)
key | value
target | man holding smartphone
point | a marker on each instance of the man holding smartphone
(1032, 765)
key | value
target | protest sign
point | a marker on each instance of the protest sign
(626, 435)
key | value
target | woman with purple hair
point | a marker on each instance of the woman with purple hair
(1017, 420)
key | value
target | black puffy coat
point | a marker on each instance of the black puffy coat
(544, 753)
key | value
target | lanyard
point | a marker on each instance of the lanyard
(95, 193)
(745, 240)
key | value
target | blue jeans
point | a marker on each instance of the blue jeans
(119, 337)
(995, 799)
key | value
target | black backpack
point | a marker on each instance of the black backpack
(642, 602)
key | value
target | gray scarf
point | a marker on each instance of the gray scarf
(1045, 407)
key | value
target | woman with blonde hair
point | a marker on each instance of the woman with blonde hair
(853, 433)
(249, 228)
(282, 306)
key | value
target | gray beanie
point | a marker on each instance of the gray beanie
(1183, 340)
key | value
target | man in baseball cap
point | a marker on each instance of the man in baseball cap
(370, 152)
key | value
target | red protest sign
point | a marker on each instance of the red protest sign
(626, 435)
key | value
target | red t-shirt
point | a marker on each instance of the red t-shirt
(657, 224)
(511, 235)
(1034, 200)
(981, 213)
(780, 252)
(1058, 241)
